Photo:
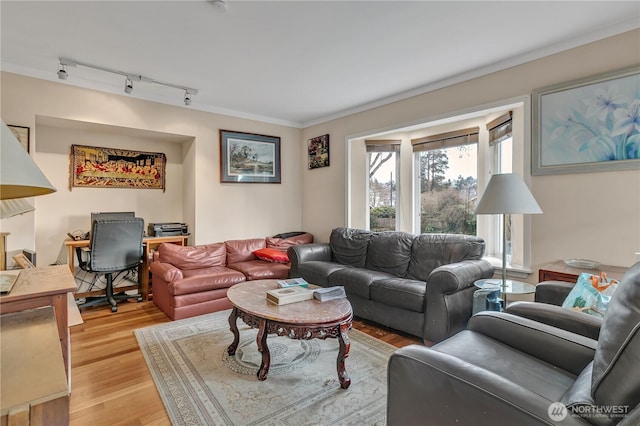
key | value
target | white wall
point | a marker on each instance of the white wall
(60, 115)
(571, 225)
(69, 210)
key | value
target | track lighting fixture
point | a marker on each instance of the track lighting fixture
(128, 86)
(62, 72)
(129, 78)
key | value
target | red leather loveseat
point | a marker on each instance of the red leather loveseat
(193, 280)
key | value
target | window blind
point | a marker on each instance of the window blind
(446, 140)
(382, 145)
(500, 128)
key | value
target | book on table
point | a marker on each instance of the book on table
(329, 293)
(293, 282)
(283, 296)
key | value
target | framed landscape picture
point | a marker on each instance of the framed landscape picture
(588, 125)
(249, 158)
(318, 151)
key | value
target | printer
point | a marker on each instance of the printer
(167, 229)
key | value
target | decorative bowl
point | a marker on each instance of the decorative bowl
(582, 263)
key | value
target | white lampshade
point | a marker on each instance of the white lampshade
(507, 194)
(19, 175)
(14, 207)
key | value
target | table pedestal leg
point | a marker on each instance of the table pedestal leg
(231, 350)
(261, 339)
(343, 353)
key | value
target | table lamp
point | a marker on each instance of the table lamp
(20, 177)
(507, 194)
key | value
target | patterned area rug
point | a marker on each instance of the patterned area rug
(201, 385)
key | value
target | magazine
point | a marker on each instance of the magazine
(293, 282)
(329, 293)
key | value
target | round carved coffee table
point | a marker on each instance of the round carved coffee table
(309, 319)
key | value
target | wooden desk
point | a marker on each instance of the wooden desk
(149, 245)
(44, 286)
(560, 271)
(33, 381)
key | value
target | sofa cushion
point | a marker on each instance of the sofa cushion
(430, 251)
(349, 246)
(212, 278)
(400, 292)
(390, 252)
(242, 250)
(283, 244)
(260, 270)
(193, 257)
(272, 255)
(357, 280)
(318, 272)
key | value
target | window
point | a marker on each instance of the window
(383, 171)
(443, 175)
(447, 186)
(501, 154)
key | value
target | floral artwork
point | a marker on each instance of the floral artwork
(593, 125)
(318, 151)
(98, 167)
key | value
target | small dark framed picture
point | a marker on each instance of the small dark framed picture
(22, 134)
(318, 150)
(249, 158)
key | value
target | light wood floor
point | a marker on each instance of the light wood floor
(110, 382)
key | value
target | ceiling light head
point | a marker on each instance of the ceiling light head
(128, 86)
(62, 72)
(220, 5)
(187, 98)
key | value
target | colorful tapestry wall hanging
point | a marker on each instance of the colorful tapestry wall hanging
(97, 167)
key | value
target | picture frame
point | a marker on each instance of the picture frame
(249, 158)
(22, 134)
(22, 261)
(318, 152)
(101, 167)
(587, 125)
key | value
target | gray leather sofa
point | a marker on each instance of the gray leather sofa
(418, 284)
(506, 369)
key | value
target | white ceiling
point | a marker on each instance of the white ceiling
(294, 62)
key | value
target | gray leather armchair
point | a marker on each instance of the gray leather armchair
(506, 369)
(547, 308)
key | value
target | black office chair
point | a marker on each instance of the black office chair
(116, 246)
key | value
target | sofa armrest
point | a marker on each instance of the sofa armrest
(306, 253)
(450, 297)
(569, 351)
(458, 276)
(557, 316)
(166, 272)
(428, 387)
(553, 292)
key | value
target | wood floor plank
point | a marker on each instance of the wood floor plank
(111, 384)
